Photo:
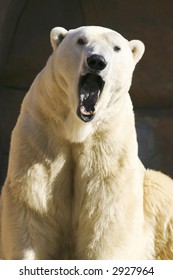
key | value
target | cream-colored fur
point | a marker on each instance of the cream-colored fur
(74, 189)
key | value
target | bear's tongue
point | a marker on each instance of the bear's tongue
(90, 87)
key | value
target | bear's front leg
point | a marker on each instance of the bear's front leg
(27, 234)
(106, 224)
(16, 242)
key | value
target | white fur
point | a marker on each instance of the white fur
(78, 190)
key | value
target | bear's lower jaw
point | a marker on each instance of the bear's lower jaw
(90, 88)
(84, 115)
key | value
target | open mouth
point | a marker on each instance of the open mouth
(90, 88)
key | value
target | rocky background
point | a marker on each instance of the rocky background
(24, 48)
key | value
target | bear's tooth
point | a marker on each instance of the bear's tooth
(82, 97)
(83, 111)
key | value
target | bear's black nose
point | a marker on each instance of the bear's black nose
(96, 62)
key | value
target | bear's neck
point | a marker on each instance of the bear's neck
(47, 98)
(117, 117)
(112, 148)
(116, 135)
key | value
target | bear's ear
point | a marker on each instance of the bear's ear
(137, 48)
(57, 34)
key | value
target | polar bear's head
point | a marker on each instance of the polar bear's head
(94, 66)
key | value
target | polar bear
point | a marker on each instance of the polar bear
(75, 187)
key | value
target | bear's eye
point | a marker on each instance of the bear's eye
(117, 48)
(81, 41)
